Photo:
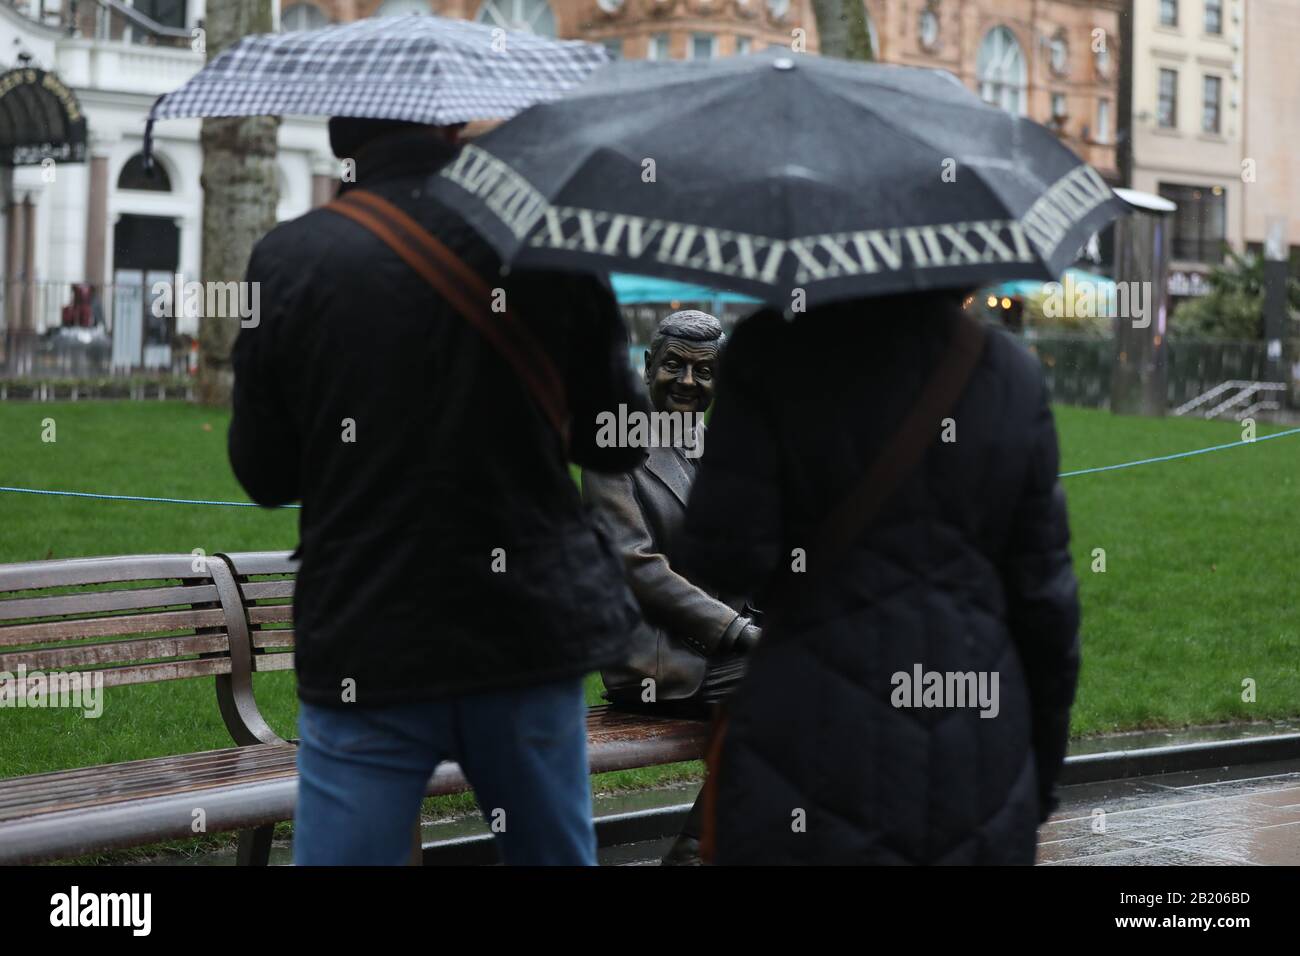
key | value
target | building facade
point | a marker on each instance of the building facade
(1054, 61)
(89, 216)
(1270, 116)
(1189, 124)
(635, 29)
(93, 219)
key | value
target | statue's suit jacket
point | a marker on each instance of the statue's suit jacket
(643, 511)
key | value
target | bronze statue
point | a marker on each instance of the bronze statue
(689, 652)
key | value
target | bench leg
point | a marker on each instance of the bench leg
(255, 846)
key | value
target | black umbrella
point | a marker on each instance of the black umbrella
(778, 172)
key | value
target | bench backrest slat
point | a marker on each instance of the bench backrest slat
(246, 563)
(165, 670)
(267, 590)
(272, 662)
(279, 637)
(47, 684)
(88, 602)
(80, 571)
(137, 619)
(119, 625)
(270, 613)
(126, 620)
(266, 582)
(115, 652)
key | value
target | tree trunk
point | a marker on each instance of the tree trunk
(240, 193)
(842, 29)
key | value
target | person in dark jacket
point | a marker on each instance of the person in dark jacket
(965, 571)
(689, 653)
(453, 589)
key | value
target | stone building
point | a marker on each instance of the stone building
(1270, 120)
(1216, 115)
(92, 217)
(82, 212)
(1054, 61)
(636, 29)
(1189, 126)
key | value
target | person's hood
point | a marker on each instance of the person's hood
(411, 152)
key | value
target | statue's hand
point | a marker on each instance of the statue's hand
(747, 639)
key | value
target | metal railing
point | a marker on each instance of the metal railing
(141, 22)
(49, 13)
(1244, 390)
(103, 20)
(48, 332)
(1078, 370)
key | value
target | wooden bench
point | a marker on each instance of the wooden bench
(175, 617)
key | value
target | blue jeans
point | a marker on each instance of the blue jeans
(362, 775)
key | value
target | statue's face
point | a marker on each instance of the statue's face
(682, 379)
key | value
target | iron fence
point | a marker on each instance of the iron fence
(51, 329)
(1078, 368)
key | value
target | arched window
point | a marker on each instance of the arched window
(395, 8)
(302, 16)
(528, 16)
(1003, 75)
(133, 176)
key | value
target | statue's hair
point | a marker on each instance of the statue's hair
(689, 325)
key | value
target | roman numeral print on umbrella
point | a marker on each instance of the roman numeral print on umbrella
(777, 172)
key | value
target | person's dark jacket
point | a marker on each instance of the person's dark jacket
(684, 624)
(445, 548)
(966, 568)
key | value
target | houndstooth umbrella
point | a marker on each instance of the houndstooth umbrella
(794, 178)
(419, 68)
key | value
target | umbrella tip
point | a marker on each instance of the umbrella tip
(783, 63)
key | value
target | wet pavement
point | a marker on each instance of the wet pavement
(1245, 815)
(1139, 739)
(1241, 816)
(1248, 815)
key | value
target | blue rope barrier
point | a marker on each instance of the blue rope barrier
(171, 501)
(1181, 454)
(250, 504)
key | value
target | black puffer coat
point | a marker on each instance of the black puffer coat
(966, 569)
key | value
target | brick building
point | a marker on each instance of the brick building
(637, 29)
(97, 220)
(1056, 61)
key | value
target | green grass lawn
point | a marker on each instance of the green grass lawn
(1202, 565)
(1199, 593)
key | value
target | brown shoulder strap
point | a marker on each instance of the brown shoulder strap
(896, 461)
(466, 292)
